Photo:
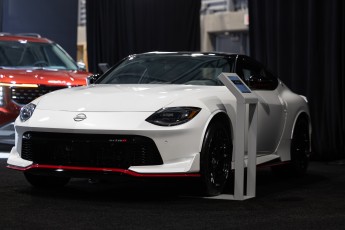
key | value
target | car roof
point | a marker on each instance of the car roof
(196, 54)
(189, 53)
(29, 38)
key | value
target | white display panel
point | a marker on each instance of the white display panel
(245, 98)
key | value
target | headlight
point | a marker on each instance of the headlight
(173, 116)
(27, 111)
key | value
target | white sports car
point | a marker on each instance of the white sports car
(159, 114)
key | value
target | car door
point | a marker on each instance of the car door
(271, 109)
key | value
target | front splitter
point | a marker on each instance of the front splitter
(60, 168)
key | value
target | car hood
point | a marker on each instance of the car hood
(124, 98)
(51, 77)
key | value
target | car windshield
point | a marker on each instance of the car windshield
(169, 69)
(24, 54)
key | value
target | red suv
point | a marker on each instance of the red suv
(31, 66)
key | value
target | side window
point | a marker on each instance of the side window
(255, 75)
(208, 72)
(212, 70)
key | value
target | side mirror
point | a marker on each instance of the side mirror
(103, 67)
(81, 66)
(92, 79)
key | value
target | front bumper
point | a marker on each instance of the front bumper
(175, 169)
(178, 146)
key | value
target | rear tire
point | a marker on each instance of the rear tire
(300, 148)
(216, 157)
(41, 181)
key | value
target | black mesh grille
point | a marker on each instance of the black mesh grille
(24, 95)
(89, 150)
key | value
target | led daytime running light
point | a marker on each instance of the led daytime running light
(19, 85)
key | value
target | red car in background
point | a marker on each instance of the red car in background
(31, 66)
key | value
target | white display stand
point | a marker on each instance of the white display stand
(245, 99)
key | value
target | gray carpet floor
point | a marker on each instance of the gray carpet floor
(316, 201)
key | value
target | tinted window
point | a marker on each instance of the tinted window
(255, 75)
(169, 69)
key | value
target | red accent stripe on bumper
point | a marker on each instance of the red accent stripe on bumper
(105, 170)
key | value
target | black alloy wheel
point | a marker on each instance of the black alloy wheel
(41, 181)
(216, 157)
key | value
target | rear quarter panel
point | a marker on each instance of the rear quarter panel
(295, 105)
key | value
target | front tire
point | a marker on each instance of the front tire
(41, 181)
(216, 157)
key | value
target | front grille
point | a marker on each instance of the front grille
(24, 95)
(89, 150)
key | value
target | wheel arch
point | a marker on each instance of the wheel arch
(306, 116)
(301, 115)
(222, 116)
